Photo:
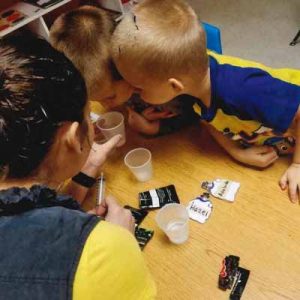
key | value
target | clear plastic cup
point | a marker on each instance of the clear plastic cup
(173, 219)
(111, 124)
(139, 162)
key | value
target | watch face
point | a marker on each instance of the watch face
(84, 180)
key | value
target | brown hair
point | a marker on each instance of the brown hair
(39, 90)
(161, 38)
(83, 35)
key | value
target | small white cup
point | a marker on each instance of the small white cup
(139, 162)
(173, 219)
(111, 124)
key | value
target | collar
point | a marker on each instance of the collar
(17, 200)
(208, 113)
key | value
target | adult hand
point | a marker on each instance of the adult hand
(114, 213)
(257, 156)
(291, 180)
(99, 153)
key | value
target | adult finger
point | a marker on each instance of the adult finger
(111, 144)
(101, 209)
(111, 202)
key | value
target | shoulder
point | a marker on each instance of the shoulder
(248, 67)
(239, 82)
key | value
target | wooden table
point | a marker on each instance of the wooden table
(261, 226)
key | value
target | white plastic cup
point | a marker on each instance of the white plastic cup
(111, 124)
(139, 162)
(173, 219)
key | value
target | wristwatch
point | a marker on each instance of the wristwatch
(84, 180)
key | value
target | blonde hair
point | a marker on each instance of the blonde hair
(83, 35)
(161, 38)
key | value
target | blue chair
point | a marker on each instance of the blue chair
(213, 37)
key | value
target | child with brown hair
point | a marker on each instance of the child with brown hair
(160, 49)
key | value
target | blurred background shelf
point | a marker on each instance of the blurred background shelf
(33, 17)
(39, 19)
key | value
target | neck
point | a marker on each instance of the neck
(28, 182)
(200, 87)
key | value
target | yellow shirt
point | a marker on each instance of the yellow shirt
(112, 267)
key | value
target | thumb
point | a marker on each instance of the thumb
(98, 211)
(111, 144)
(111, 201)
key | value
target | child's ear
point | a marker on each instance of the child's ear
(176, 84)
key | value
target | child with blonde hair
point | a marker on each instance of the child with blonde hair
(83, 35)
(250, 109)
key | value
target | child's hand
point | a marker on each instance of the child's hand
(140, 124)
(291, 179)
(257, 156)
(151, 114)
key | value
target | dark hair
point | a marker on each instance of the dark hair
(39, 89)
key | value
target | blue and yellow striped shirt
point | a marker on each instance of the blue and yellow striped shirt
(250, 102)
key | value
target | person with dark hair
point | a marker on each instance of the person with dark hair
(49, 247)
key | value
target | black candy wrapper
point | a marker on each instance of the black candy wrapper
(240, 284)
(227, 275)
(157, 198)
(138, 214)
(143, 236)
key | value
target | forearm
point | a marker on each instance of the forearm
(228, 145)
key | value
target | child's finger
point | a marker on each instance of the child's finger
(273, 159)
(265, 149)
(130, 111)
(148, 110)
(283, 181)
(156, 115)
(269, 156)
(293, 192)
(171, 115)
